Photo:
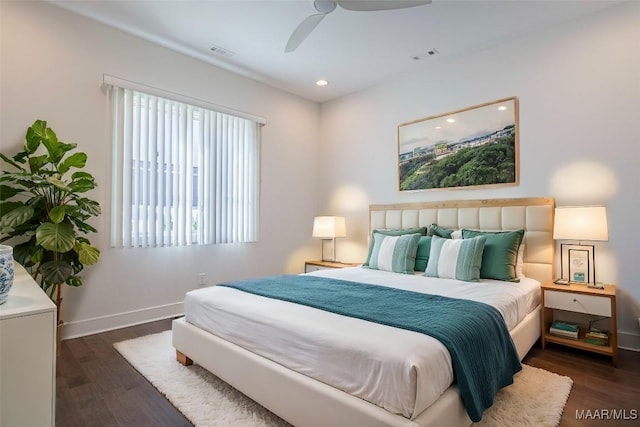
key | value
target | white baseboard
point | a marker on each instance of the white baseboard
(96, 325)
(628, 341)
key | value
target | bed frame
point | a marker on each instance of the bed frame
(305, 402)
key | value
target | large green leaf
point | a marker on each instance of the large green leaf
(7, 192)
(81, 174)
(60, 151)
(56, 215)
(23, 252)
(9, 206)
(56, 237)
(16, 217)
(87, 254)
(37, 162)
(35, 134)
(56, 272)
(50, 142)
(89, 206)
(82, 185)
(77, 160)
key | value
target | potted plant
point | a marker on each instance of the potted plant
(44, 210)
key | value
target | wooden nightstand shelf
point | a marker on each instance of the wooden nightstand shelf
(310, 266)
(578, 298)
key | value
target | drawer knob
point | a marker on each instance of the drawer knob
(575, 300)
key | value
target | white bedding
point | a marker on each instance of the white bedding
(401, 371)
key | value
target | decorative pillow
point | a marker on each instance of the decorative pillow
(394, 253)
(456, 258)
(500, 253)
(397, 232)
(422, 255)
(435, 230)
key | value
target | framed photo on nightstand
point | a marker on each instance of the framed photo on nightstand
(577, 264)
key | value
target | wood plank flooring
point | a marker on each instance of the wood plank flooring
(97, 387)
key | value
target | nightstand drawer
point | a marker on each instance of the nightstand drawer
(588, 304)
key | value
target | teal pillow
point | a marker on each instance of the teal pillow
(456, 258)
(500, 253)
(394, 253)
(436, 230)
(397, 232)
(422, 254)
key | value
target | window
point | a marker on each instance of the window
(182, 174)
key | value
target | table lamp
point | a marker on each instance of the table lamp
(328, 228)
(581, 223)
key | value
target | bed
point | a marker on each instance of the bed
(303, 397)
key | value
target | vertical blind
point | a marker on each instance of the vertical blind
(182, 174)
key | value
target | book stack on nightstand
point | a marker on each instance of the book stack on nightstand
(562, 329)
(597, 337)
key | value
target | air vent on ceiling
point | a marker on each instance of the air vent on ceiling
(221, 51)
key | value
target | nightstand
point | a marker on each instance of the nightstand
(591, 303)
(310, 266)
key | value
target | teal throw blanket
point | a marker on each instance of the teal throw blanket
(483, 355)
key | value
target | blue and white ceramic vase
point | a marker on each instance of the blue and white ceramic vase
(6, 271)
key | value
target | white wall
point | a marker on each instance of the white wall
(51, 61)
(578, 86)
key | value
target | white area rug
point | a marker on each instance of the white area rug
(536, 398)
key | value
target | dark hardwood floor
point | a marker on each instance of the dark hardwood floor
(598, 387)
(97, 387)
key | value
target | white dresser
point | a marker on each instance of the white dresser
(27, 355)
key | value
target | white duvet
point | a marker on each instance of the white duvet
(402, 371)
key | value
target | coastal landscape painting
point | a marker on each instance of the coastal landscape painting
(475, 146)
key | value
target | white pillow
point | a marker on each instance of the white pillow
(520, 262)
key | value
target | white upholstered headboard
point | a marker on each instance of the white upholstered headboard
(534, 215)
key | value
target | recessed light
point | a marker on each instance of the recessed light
(322, 82)
(422, 55)
(438, 127)
(451, 120)
(502, 108)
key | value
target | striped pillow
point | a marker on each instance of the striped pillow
(456, 258)
(394, 253)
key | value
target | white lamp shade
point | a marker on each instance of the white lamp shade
(329, 227)
(581, 223)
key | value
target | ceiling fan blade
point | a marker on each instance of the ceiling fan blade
(303, 30)
(370, 5)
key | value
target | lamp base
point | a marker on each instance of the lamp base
(331, 253)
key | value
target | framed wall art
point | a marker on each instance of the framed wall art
(469, 148)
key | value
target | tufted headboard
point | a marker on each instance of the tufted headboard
(534, 215)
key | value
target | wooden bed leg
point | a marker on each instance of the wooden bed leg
(183, 359)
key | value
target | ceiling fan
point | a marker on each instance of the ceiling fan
(325, 7)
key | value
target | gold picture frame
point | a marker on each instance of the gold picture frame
(474, 147)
